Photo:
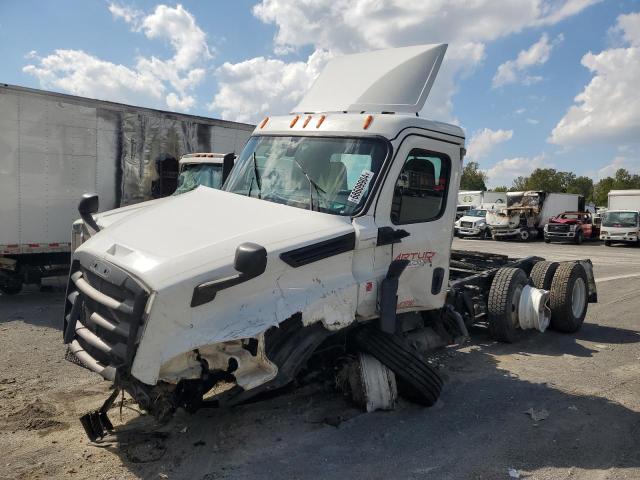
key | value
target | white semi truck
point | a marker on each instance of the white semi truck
(55, 147)
(526, 213)
(330, 239)
(621, 221)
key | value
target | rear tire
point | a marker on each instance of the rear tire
(569, 297)
(542, 274)
(417, 380)
(504, 298)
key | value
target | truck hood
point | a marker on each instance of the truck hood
(193, 234)
(471, 219)
(564, 221)
(108, 218)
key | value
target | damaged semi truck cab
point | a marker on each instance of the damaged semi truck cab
(337, 215)
(318, 206)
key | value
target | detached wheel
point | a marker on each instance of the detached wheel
(542, 274)
(504, 298)
(569, 297)
(417, 380)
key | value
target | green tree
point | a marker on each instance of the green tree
(520, 184)
(601, 191)
(473, 178)
(582, 185)
(502, 188)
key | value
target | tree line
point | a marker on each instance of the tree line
(552, 180)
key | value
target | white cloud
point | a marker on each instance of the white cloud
(152, 81)
(632, 164)
(513, 71)
(259, 86)
(503, 172)
(608, 109)
(533, 121)
(346, 26)
(483, 141)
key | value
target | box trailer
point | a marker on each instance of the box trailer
(55, 147)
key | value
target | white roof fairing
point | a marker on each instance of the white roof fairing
(394, 80)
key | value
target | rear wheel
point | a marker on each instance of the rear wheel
(417, 380)
(542, 274)
(504, 298)
(569, 297)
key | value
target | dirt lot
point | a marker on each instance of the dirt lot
(587, 385)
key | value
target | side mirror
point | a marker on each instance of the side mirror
(89, 205)
(250, 261)
(227, 165)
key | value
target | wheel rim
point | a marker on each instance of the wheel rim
(524, 235)
(578, 297)
(515, 303)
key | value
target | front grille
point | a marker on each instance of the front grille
(558, 228)
(466, 224)
(102, 315)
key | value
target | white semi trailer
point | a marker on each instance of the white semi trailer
(330, 240)
(55, 147)
(621, 221)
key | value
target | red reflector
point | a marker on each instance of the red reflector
(54, 244)
(34, 245)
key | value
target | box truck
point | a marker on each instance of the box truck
(331, 239)
(621, 221)
(55, 147)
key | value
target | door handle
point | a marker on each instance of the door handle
(389, 236)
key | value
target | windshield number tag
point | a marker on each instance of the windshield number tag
(360, 187)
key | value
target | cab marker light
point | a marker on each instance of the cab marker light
(264, 122)
(306, 121)
(293, 122)
(320, 120)
(367, 121)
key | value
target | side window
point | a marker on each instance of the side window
(421, 189)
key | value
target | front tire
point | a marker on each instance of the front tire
(547, 240)
(525, 235)
(607, 243)
(569, 297)
(504, 298)
(579, 238)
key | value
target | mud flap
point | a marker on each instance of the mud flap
(591, 280)
(389, 296)
(96, 424)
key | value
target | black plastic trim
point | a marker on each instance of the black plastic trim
(389, 236)
(319, 251)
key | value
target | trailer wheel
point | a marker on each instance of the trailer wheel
(569, 297)
(417, 380)
(542, 274)
(504, 298)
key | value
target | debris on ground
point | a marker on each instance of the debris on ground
(513, 473)
(537, 415)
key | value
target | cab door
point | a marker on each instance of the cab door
(415, 215)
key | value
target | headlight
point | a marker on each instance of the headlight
(604, 232)
(546, 227)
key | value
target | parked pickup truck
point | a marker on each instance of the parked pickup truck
(574, 226)
(329, 241)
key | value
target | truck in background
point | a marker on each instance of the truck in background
(526, 213)
(55, 147)
(621, 221)
(474, 199)
(573, 226)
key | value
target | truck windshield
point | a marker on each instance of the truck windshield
(620, 219)
(194, 174)
(476, 213)
(331, 175)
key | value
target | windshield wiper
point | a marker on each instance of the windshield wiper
(317, 187)
(256, 174)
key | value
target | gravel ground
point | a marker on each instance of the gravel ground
(584, 385)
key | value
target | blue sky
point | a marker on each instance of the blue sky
(510, 78)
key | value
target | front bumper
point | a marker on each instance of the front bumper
(560, 235)
(505, 232)
(620, 237)
(104, 311)
(469, 232)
